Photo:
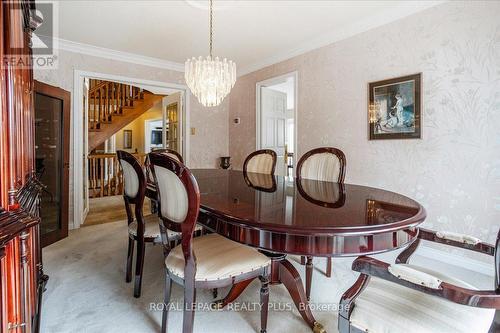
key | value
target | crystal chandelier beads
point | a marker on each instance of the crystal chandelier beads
(210, 79)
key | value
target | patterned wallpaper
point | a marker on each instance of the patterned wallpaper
(454, 170)
(211, 138)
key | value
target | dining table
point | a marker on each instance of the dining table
(283, 216)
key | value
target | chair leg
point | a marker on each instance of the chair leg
(309, 274)
(215, 293)
(264, 302)
(139, 264)
(302, 260)
(130, 257)
(189, 307)
(328, 267)
(166, 302)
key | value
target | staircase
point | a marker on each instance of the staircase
(112, 106)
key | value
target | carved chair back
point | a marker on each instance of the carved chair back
(178, 204)
(261, 161)
(169, 152)
(325, 163)
(134, 187)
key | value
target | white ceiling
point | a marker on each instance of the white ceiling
(252, 33)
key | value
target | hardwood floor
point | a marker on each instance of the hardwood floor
(109, 209)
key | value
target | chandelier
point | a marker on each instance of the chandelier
(209, 79)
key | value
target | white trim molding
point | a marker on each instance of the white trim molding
(77, 110)
(133, 58)
(394, 13)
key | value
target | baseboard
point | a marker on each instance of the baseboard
(455, 259)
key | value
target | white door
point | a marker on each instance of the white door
(273, 125)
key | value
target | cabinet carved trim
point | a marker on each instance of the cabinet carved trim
(20, 258)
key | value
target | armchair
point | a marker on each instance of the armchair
(410, 298)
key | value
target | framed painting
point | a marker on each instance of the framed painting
(394, 108)
(127, 139)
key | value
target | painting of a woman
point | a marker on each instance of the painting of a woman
(397, 106)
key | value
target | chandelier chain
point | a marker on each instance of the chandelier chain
(211, 27)
(210, 79)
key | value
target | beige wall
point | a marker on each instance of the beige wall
(138, 133)
(211, 139)
(454, 171)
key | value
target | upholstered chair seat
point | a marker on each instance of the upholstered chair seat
(217, 258)
(385, 307)
(152, 229)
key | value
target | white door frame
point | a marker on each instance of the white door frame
(79, 155)
(268, 82)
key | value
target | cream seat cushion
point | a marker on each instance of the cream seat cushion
(152, 228)
(217, 258)
(385, 307)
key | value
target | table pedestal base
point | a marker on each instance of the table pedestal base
(282, 272)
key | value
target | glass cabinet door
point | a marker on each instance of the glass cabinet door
(51, 164)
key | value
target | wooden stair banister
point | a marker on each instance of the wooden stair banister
(112, 106)
(105, 176)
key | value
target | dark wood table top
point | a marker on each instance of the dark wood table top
(276, 203)
(282, 216)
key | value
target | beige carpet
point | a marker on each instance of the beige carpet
(109, 209)
(87, 291)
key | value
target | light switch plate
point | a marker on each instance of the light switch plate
(193, 130)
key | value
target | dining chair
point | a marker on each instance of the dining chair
(403, 297)
(322, 164)
(141, 229)
(151, 190)
(209, 261)
(261, 161)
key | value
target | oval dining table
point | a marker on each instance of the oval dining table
(284, 216)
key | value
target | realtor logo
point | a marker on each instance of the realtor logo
(43, 39)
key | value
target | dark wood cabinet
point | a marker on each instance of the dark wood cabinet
(21, 275)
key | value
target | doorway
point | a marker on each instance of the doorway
(81, 130)
(276, 115)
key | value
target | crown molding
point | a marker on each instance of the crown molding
(387, 16)
(133, 58)
(390, 15)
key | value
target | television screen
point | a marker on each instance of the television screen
(156, 137)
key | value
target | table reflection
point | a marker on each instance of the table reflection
(301, 204)
(325, 194)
